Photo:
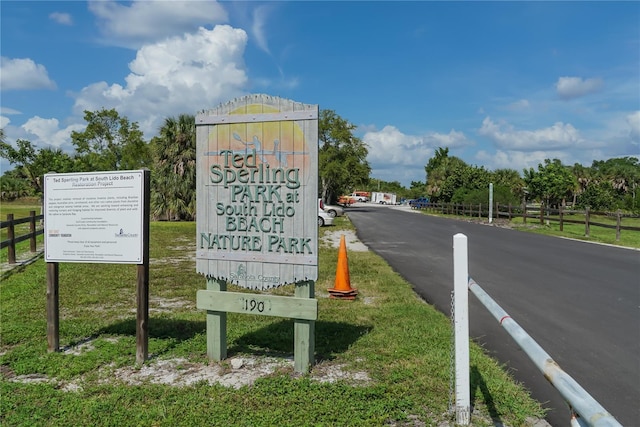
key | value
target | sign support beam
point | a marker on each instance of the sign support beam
(53, 307)
(216, 324)
(142, 284)
(304, 332)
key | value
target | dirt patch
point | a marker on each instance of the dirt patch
(234, 372)
(351, 240)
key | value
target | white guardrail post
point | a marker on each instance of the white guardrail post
(589, 411)
(461, 329)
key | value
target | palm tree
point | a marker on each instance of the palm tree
(439, 169)
(511, 179)
(584, 178)
(175, 169)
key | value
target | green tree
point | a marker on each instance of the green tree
(13, 186)
(110, 142)
(448, 175)
(511, 179)
(385, 186)
(394, 187)
(584, 177)
(598, 196)
(623, 175)
(552, 183)
(465, 177)
(417, 189)
(480, 196)
(438, 169)
(342, 157)
(174, 169)
(32, 163)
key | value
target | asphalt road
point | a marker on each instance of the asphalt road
(579, 301)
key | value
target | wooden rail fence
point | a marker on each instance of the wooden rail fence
(12, 239)
(539, 213)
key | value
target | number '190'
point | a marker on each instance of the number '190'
(252, 305)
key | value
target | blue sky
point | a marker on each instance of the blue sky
(501, 84)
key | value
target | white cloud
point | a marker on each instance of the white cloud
(575, 87)
(179, 75)
(48, 132)
(8, 111)
(633, 120)
(519, 160)
(520, 105)
(395, 156)
(23, 74)
(61, 18)
(144, 22)
(557, 136)
(260, 15)
(4, 121)
(391, 146)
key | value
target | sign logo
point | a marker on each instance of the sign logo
(122, 234)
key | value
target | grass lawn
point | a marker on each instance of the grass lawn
(597, 234)
(400, 343)
(628, 238)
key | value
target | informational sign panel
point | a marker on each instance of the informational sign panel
(257, 192)
(94, 217)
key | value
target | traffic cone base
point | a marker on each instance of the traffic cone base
(342, 287)
(343, 297)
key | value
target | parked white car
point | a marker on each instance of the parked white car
(324, 218)
(333, 210)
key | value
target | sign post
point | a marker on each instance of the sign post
(461, 329)
(257, 192)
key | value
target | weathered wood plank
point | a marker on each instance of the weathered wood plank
(216, 324)
(304, 332)
(266, 305)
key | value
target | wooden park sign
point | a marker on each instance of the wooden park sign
(257, 220)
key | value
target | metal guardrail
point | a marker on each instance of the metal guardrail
(589, 410)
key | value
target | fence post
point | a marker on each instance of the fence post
(586, 222)
(541, 213)
(509, 211)
(561, 217)
(461, 328)
(618, 220)
(32, 230)
(11, 236)
(524, 211)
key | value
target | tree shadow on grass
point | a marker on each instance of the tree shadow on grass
(331, 338)
(276, 338)
(172, 331)
(478, 384)
(178, 330)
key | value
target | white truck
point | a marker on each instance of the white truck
(383, 198)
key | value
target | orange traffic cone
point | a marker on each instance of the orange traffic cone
(342, 287)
